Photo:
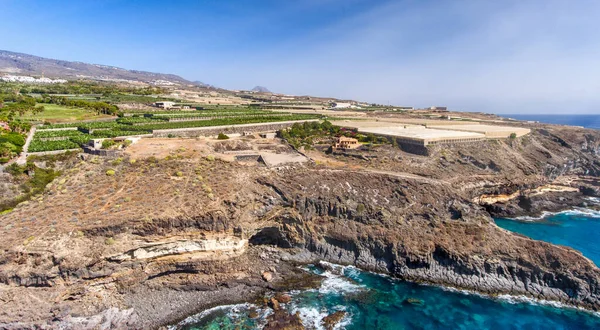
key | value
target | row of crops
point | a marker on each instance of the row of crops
(46, 139)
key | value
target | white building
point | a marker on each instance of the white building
(164, 104)
(27, 79)
(340, 105)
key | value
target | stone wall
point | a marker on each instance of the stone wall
(42, 129)
(230, 129)
(102, 152)
(54, 152)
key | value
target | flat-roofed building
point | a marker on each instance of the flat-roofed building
(414, 138)
(437, 108)
(427, 122)
(424, 136)
(490, 131)
(164, 104)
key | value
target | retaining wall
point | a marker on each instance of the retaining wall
(102, 152)
(57, 129)
(54, 152)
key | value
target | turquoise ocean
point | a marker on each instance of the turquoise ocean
(587, 121)
(373, 301)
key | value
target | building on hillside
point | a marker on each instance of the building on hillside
(435, 108)
(343, 142)
(164, 104)
(268, 135)
(340, 105)
(4, 126)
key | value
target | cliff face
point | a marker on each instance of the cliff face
(414, 231)
(146, 247)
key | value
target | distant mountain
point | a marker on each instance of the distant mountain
(201, 84)
(29, 65)
(261, 89)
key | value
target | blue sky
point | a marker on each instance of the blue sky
(473, 55)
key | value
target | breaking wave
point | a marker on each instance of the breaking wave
(574, 212)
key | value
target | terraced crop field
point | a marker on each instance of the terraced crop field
(47, 138)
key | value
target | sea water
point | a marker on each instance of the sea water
(587, 121)
(579, 229)
(373, 301)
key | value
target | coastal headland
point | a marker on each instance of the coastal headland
(172, 226)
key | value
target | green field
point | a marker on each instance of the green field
(48, 140)
(60, 114)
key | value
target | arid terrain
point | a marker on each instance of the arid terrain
(181, 225)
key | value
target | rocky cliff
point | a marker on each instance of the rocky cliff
(147, 247)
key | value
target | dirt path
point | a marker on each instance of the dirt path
(336, 165)
(22, 159)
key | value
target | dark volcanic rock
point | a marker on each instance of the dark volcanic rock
(422, 242)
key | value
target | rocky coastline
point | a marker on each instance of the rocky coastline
(145, 248)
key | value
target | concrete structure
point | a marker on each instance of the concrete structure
(342, 105)
(490, 131)
(164, 104)
(411, 138)
(343, 142)
(435, 108)
(273, 160)
(424, 136)
(97, 143)
(358, 124)
(427, 122)
(268, 135)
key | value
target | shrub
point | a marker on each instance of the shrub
(109, 241)
(179, 174)
(360, 208)
(513, 136)
(210, 158)
(222, 136)
(13, 138)
(108, 143)
(28, 240)
(110, 172)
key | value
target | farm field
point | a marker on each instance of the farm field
(48, 139)
(61, 114)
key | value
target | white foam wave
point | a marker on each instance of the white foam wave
(233, 311)
(594, 200)
(544, 215)
(533, 301)
(516, 299)
(312, 317)
(335, 282)
(576, 212)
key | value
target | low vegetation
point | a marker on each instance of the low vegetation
(33, 180)
(11, 145)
